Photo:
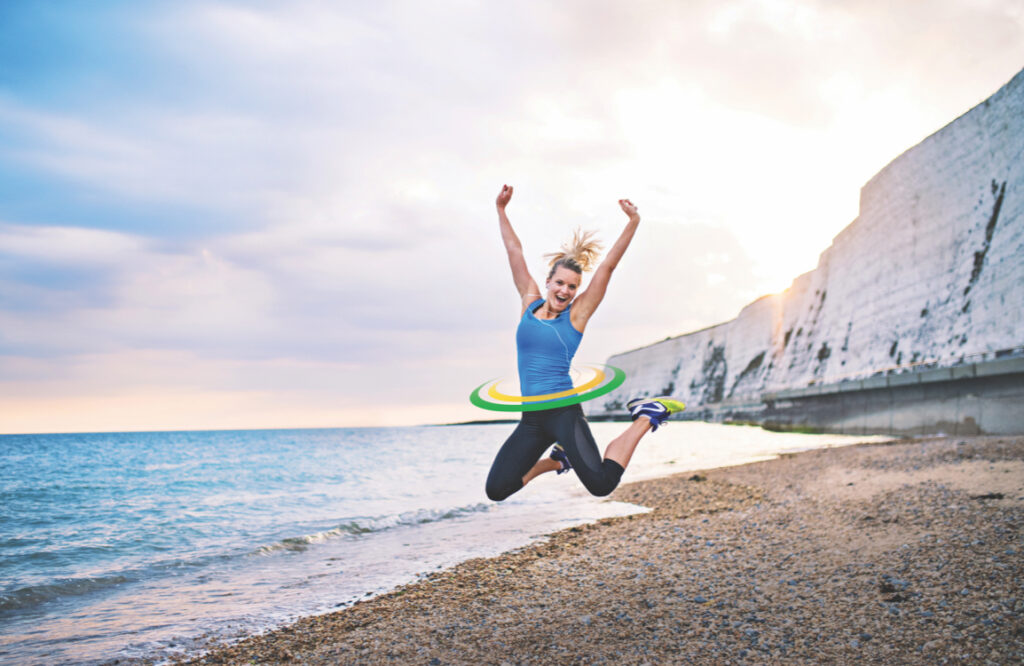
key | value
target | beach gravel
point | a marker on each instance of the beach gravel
(900, 553)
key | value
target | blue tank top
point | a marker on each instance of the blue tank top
(545, 349)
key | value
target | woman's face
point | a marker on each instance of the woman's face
(562, 288)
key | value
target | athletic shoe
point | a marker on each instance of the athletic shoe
(558, 454)
(656, 409)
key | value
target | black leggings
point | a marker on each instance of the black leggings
(534, 434)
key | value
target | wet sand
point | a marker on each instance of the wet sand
(909, 552)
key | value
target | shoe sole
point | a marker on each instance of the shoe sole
(671, 404)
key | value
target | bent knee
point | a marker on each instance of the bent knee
(602, 489)
(602, 484)
(497, 493)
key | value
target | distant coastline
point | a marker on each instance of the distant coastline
(475, 422)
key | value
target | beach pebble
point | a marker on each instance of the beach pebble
(800, 576)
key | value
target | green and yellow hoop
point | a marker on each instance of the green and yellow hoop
(603, 379)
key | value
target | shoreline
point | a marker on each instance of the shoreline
(907, 551)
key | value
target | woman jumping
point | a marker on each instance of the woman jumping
(550, 330)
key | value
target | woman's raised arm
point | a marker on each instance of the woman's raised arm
(587, 302)
(517, 262)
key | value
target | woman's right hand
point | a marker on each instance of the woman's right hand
(504, 196)
(630, 209)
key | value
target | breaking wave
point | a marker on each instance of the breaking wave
(33, 595)
(361, 526)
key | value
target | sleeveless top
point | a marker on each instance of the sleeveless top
(545, 349)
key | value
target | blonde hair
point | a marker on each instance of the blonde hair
(579, 255)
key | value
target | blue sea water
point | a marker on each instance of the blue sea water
(121, 545)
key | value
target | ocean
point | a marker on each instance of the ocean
(127, 545)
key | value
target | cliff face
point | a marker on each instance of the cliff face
(930, 274)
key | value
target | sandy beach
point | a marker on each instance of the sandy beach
(907, 552)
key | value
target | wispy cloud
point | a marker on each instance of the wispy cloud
(292, 205)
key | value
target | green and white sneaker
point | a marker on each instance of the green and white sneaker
(657, 410)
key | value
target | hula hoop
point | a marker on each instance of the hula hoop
(606, 379)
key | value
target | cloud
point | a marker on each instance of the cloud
(47, 270)
(298, 201)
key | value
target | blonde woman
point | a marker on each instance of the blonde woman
(551, 326)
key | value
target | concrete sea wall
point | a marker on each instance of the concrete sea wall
(929, 277)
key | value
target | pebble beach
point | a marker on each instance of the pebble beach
(906, 552)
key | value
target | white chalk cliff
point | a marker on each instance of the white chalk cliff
(929, 274)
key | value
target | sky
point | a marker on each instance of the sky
(261, 214)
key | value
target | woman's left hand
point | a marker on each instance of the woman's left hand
(629, 208)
